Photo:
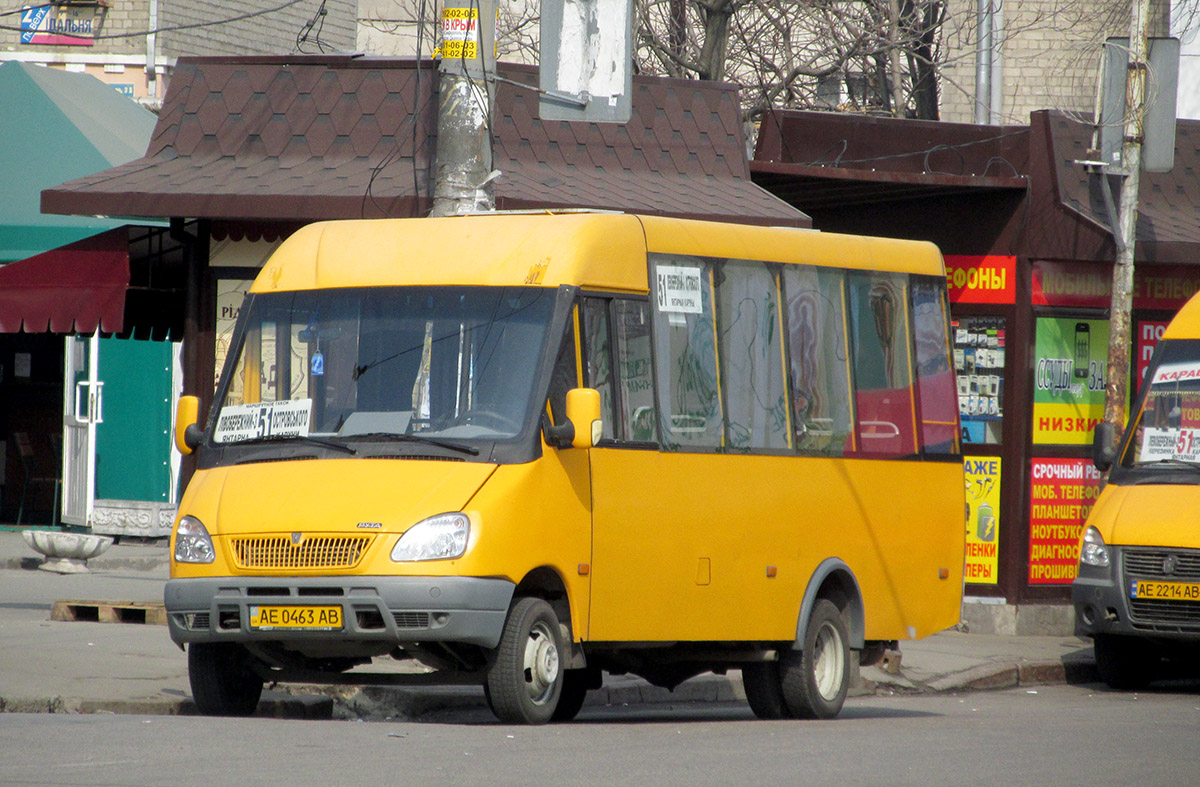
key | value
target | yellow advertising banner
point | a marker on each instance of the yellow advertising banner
(982, 474)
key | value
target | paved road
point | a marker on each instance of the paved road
(1046, 736)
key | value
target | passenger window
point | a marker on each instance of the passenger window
(937, 395)
(686, 354)
(563, 378)
(882, 364)
(597, 368)
(751, 351)
(818, 357)
(639, 422)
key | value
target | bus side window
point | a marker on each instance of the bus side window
(818, 355)
(597, 359)
(937, 396)
(750, 344)
(639, 419)
(563, 378)
(882, 364)
(685, 353)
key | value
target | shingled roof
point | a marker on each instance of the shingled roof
(1023, 187)
(306, 138)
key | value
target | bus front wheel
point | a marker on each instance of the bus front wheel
(814, 680)
(525, 679)
(223, 684)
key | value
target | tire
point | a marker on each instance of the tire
(815, 679)
(222, 682)
(764, 692)
(525, 679)
(1123, 662)
(574, 692)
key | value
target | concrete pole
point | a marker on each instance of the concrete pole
(464, 137)
(1117, 382)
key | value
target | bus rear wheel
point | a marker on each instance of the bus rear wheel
(223, 684)
(814, 680)
(525, 679)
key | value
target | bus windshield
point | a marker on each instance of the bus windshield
(1167, 431)
(452, 363)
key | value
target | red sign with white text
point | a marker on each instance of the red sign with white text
(988, 279)
(1061, 496)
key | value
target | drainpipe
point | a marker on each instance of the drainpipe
(151, 73)
(983, 63)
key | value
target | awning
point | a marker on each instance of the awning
(72, 289)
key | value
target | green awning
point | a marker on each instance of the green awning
(57, 126)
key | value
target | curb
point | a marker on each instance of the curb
(378, 703)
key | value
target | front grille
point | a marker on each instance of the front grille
(1161, 613)
(278, 552)
(1148, 564)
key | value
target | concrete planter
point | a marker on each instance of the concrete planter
(66, 553)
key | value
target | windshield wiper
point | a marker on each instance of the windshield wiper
(1174, 464)
(309, 439)
(413, 438)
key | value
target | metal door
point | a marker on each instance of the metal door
(82, 410)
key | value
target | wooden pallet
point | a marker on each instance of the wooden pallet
(147, 612)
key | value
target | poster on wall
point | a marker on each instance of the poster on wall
(1061, 495)
(1149, 333)
(982, 474)
(1071, 356)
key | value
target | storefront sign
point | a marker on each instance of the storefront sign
(75, 24)
(1149, 332)
(1062, 493)
(1068, 383)
(982, 474)
(989, 279)
(1089, 285)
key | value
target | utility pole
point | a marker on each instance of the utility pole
(464, 137)
(1117, 383)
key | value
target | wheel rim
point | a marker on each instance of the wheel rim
(829, 662)
(541, 664)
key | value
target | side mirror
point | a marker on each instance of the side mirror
(582, 428)
(1104, 446)
(187, 431)
(583, 411)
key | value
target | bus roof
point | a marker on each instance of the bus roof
(600, 251)
(1186, 323)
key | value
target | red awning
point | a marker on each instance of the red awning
(73, 288)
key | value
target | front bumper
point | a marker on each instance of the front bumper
(1101, 596)
(469, 610)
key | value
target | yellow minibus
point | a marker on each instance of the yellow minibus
(523, 449)
(1137, 592)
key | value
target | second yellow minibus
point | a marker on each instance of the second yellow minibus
(526, 449)
(1137, 593)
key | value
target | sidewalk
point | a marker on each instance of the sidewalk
(133, 667)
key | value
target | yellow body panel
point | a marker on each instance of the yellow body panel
(683, 543)
(1155, 515)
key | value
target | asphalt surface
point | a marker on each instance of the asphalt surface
(131, 665)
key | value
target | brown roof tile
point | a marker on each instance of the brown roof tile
(313, 137)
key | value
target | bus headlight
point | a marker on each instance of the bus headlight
(1094, 551)
(193, 544)
(438, 538)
